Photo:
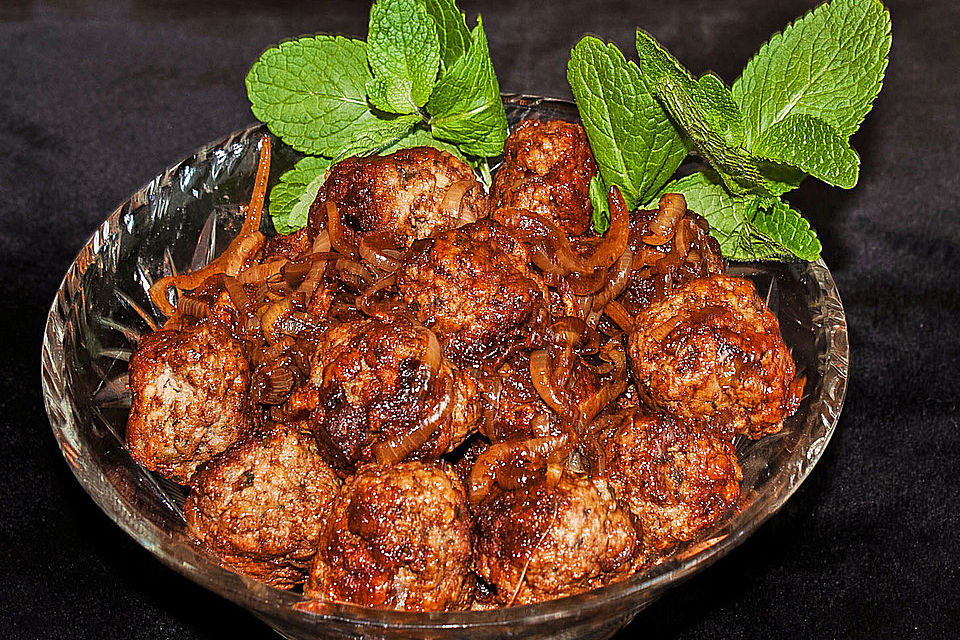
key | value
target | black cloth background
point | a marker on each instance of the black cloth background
(96, 98)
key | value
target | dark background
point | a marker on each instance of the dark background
(96, 98)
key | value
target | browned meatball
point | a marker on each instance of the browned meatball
(385, 392)
(189, 399)
(399, 537)
(547, 541)
(260, 505)
(677, 481)
(547, 167)
(474, 289)
(711, 350)
(667, 253)
(404, 193)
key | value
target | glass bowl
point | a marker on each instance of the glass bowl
(186, 216)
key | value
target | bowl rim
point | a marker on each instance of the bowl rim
(198, 565)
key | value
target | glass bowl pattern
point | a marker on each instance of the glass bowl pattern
(185, 217)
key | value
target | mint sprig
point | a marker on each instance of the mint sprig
(421, 77)
(790, 115)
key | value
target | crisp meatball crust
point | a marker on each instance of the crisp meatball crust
(660, 267)
(378, 383)
(189, 399)
(547, 167)
(711, 350)
(676, 480)
(402, 193)
(399, 537)
(260, 505)
(547, 541)
(474, 289)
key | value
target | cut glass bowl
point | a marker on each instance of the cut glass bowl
(185, 217)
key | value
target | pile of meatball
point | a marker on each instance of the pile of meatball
(434, 397)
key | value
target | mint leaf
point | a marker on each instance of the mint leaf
(675, 88)
(784, 229)
(466, 107)
(372, 132)
(635, 144)
(452, 32)
(810, 144)
(829, 64)
(311, 92)
(722, 112)
(600, 218)
(290, 199)
(747, 227)
(403, 49)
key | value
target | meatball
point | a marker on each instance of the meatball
(189, 399)
(547, 167)
(546, 540)
(474, 289)
(399, 537)
(403, 193)
(711, 350)
(260, 505)
(676, 480)
(667, 253)
(384, 392)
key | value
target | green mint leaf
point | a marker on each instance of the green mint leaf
(636, 145)
(810, 144)
(601, 205)
(466, 107)
(747, 227)
(829, 64)
(311, 92)
(291, 197)
(785, 230)
(372, 132)
(452, 31)
(675, 88)
(722, 112)
(403, 49)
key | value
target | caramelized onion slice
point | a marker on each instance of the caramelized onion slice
(541, 373)
(613, 353)
(396, 449)
(670, 210)
(452, 202)
(532, 453)
(381, 251)
(338, 241)
(272, 383)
